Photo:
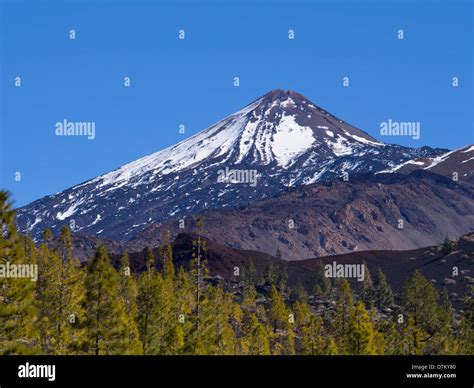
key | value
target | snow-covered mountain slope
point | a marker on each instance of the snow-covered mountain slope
(282, 138)
(455, 164)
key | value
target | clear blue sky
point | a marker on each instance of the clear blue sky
(191, 81)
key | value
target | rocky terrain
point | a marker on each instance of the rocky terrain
(388, 211)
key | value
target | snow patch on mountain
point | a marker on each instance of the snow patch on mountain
(438, 160)
(364, 140)
(290, 140)
(341, 146)
(398, 167)
(70, 211)
(247, 139)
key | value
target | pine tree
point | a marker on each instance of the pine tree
(343, 314)
(106, 322)
(201, 338)
(165, 320)
(383, 292)
(199, 270)
(465, 338)
(146, 306)
(7, 224)
(48, 239)
(46, 262)
(60, 292)
(271, 274)
(309, 326)
(236, 317)
(278, 314)
(367, 294)
(390, 336)
(362, 337)
(331, 348)
(448, 246)
(250, 274)
(444, 341)
(64, 245)
(276, 272)
(162, 331)
(128, 295)
(166, 255)
(59, 295)
(411, 338)
(218, 327)
(298, 294)
(322, 285)
(254, 336)
(466, 326)
(185, 305)
(249, 304)
(248, 320)
(171, 329)
(18, 334)
(420, 301)
(258, 343)
(282, 271)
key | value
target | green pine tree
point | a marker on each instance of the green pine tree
(322, 285)
(257, 343)
(420, 302)
(18, 315)
(250, 274)
(106, 322)
(282, 338)
(146, 304)
(448, 246)
(166, 255)
(466, 326)
(343, 313)
(59, 295)
(362, 337)
(128, 295)
(368, 292)
(383, 292)
(310, 340)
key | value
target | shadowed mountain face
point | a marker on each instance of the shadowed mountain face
(221, 260)
(281, 140)
(436, 265)
(388, 211)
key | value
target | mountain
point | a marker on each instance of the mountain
(336, 217)
(458, 163)
(280, 140)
